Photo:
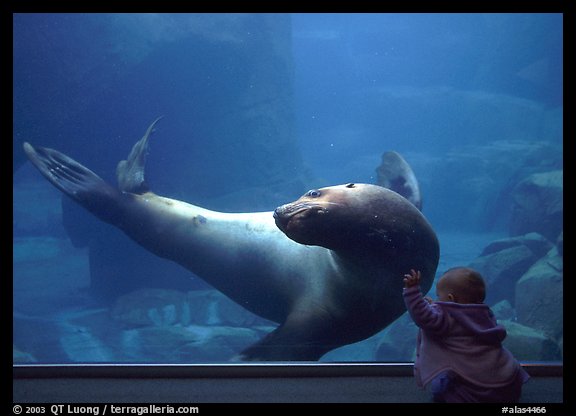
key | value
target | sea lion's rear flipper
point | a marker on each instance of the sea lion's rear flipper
(396, 174)
(75, 180)
(130, 172)
(62, 171)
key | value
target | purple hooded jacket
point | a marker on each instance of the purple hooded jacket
(463, 338)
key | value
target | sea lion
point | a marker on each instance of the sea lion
(327, 267)
(396, 174)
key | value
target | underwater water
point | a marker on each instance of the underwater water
(258, 109)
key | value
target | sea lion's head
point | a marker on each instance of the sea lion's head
(351, 216)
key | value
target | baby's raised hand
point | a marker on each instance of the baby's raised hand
(412, 279)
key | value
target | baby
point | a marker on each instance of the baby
(459, 345)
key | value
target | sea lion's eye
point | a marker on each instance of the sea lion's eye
(314, 193)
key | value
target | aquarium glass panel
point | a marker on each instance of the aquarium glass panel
(209, 188)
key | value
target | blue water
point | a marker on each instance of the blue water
(258, 109)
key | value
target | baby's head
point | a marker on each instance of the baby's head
(461, 285)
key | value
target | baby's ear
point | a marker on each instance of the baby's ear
(451, 297)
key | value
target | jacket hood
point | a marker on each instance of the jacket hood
(477, 320)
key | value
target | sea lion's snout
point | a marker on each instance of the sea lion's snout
(291, 216)
(286, 211)
(282, 215)
(295, 209)
(277, 213)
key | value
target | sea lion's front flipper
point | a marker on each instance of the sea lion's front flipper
(130, 172)
(75, 180)
(306, 335)
(396, 174)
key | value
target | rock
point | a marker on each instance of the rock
(503, 310)
(529, 344)
(36, 208)
(210, 307)
(48, 273)
(80, 344)
(166, 307)
(538, 205)
(486, 173)
(362, 351)
(150, 325)
(40, 338)
(539, 295)
(89, 335)
(534, 241)
(398, 341)
(502, 269)
(152, 307)
(33, 249)
(19, 356)
(191, 344)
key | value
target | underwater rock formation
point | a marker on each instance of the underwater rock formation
(166, 307)
(537, 243)
(36, 208)
(528, 270)
(151, 307)
(211, 307)
(503, 310)
(539, 295)
(186, 344)
(504, 262)
(486, 175)
(538, 205)
(19, 356)
(164, 325)
(398, 341)
(37, 249)
(149, 325)
(529, 344)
